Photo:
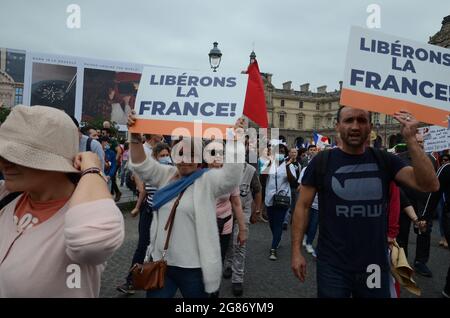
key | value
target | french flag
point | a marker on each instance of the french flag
(320, 141)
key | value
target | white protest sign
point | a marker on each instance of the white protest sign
(170, 99)
(386, 73)
(436, 138)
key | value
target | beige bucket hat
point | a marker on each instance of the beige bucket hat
(39, 137)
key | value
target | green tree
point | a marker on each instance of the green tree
(4, 112)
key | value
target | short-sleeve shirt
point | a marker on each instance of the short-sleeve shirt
(353, 209)
(224, 209)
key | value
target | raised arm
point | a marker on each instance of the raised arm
(94, 226)
(421, 175)
(148, 169)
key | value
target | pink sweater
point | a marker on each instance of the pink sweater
(62, 257)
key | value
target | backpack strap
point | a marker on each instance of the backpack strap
(8, 199)
(321, 168)
(88, 144)
(381, 158)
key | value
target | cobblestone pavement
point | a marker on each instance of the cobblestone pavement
(265, 278)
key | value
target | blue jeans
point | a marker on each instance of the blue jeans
(188, 280)
(276, 217)
(333, 282)
(145, 221)
(312, 226)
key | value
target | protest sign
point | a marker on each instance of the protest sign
(385, 73)
(435, 138)
(187, 103)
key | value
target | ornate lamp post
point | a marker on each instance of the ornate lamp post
(215, 56)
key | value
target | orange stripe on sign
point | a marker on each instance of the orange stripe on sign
(179, 128)
(388, 105)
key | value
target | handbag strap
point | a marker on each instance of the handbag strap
(170, 220)
(276, 182)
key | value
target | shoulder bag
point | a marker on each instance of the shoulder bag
(280, 200)
(150, 275)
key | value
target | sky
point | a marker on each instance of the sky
(302, 41)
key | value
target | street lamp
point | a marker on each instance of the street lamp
(215, 56)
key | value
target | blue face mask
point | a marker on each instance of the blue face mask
(107, 146)
(280, 156)
(165, 160)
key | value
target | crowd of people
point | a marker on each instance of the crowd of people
(60, 189)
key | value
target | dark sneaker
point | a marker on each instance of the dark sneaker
(126, 289)
(422, 269)
(227, 273)
(273, 255)
(118, 196)
(237, 289)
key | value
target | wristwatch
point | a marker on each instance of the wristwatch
(94, 170)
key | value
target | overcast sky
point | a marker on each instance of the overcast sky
(299, 41)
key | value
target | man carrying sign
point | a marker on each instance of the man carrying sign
(353, 193)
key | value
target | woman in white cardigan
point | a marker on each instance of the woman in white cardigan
(193, 256)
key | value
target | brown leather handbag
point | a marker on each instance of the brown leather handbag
(150, 275)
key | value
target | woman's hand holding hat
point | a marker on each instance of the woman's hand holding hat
(86, 160)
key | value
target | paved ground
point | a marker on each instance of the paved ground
(265, 278)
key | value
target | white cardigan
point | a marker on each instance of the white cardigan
(207, 188)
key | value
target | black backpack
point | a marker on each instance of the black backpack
(88, 144)
(129, 181)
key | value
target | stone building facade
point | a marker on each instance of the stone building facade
(12, 69)
(299, 113)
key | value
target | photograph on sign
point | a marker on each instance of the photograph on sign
(385, 74)
(54, 85)
(180, 102)
(109, 95)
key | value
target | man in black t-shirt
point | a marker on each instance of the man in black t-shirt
(352, 245)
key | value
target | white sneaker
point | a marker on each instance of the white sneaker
(309, 248)
(304, 240)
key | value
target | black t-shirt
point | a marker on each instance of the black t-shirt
(404, 201)
(433, 199)
(353, 209)
(417, 198)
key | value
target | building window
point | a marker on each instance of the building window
(282, 103)
(317, 106)
(376, 118)
(329, 122)
(300, 122)
(19, 96)
(388, 119)
(316, 122)
(300, 104)
(329, 106)
(281, 120)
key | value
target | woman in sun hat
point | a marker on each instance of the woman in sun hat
(57, 234)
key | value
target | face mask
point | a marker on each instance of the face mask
(280, 156)
(107, 146)
(165, 160)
